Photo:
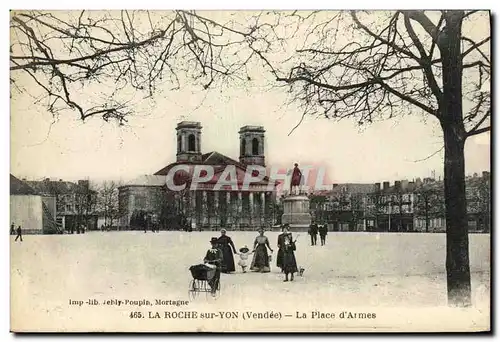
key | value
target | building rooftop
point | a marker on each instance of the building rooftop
(52, 187)
(252, 129)
(148, 180)
(18, 187)
(189, 124)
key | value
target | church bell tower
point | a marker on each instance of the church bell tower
(252, 145)
(189, 141)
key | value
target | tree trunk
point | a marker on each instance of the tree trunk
(426, 217)
(451, 119)
(457, 239)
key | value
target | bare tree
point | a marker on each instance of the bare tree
(121, 52)
(381, 65)
(85, 205)
(409, 61)
(107, 201)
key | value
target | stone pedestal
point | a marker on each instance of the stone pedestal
(296, 212)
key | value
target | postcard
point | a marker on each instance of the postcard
(250, 171)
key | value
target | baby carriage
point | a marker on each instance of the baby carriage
(202, 274)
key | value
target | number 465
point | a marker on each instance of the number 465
(135, 314)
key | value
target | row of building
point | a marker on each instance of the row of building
(52, 207)
(404, 206)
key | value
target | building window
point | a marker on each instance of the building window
(179, 143)
(191, 143)
(140, 201)
(68, 207)
(255, 146)
(243, 147)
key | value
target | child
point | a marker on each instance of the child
(243, 262)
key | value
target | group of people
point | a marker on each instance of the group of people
(17, 231)
(314, 229)
(222, 251)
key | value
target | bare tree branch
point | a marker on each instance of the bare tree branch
(476, 130)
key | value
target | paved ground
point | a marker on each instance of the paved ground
(400, 277)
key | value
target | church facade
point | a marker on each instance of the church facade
(209, 206)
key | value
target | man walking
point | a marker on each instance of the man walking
(19, 235)
(313, 231)
(323, 231)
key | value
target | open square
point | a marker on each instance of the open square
(353, 271)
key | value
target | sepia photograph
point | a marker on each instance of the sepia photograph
(250, 171)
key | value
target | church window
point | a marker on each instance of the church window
(191, 143)
(242, 147)
(255, 146)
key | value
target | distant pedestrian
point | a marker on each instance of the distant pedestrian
(323, 231)
(313, 231)
(19, 235)
(12, 229)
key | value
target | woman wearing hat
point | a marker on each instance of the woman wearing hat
(260, 262)
(279, 259)
(226, 245)
(214, 257)
(244, 253)
(289, 262)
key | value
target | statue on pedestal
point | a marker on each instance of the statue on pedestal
(296, 205)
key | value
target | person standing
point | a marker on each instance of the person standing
(19, 234)
(289, 262)
(281, 244)
(313, 231)
(12, 230)
(260, 261)
(226, 245)
(323, 231)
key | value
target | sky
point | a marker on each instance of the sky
(67, 148)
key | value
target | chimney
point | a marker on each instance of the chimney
(83, 183)
(397, 185)
(411, 186)
(386, 185)
(428, 180)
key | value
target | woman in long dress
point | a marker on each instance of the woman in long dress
(289, 262)
(226, 245)
(279, 257)
(260, 261)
